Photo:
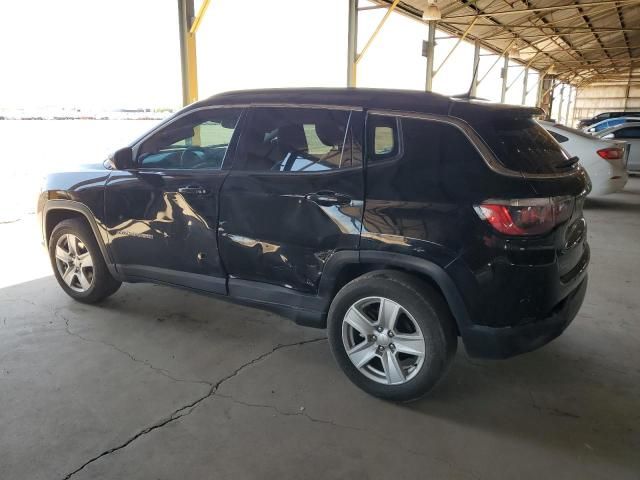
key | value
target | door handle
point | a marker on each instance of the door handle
(193, 190)
(328, 199)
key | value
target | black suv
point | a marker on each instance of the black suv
(398, 220)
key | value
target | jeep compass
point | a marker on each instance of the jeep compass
(397, 220)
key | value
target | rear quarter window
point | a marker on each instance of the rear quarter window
(522, 145)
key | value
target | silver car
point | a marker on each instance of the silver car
(630, 133)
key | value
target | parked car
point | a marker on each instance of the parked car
(399, 220)
(604, 124)
(629, 133)
(604, 116)
(604, 160)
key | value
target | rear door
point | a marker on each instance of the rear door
(294, 196)
(162, 215)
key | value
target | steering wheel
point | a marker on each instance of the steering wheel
(189, 158)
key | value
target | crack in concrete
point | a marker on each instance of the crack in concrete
(449, 464)
(289, 414)
(190, 407)
(148, 364)
(551, 410)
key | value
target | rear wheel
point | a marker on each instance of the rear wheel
(392, 334)
(78, 264)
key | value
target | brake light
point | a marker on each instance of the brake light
(611, 153)
(526, 216)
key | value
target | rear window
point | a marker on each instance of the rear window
(559, 138)
(522, 145)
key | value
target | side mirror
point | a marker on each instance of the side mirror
(609, 136)
(121, 159)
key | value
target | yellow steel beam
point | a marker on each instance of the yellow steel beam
(192, 63)
(188, 58)
(391, 8)
(198, 18)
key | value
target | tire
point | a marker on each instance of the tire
(422, 312)
(90, 280)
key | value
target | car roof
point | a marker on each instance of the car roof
(367, 98)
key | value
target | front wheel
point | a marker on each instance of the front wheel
(78, 264)
(392, 335)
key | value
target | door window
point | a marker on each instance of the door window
(300, 140)
(196, 141)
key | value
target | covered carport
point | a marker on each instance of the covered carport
(162, 383)
(558, 52)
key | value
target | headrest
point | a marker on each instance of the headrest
(292, 137)
(330, 133)
(255, 142)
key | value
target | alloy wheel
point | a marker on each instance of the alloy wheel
(383, 340)
(74, 263)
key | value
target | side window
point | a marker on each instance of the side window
(431, 157)
(383, 138)
(299, 140)
(196, 141)
(559, 138)
(629, 132)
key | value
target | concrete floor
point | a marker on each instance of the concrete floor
(157, 383)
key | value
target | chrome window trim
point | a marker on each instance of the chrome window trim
(476, 140)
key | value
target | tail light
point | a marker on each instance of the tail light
(526, 216)
(611, 153)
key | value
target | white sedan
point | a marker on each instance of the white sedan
(630, 133)
(604, 160)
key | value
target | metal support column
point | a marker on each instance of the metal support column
(628, 91)
(525, 81)
(568, 122)
(352, 43)
(476, 69)
(505, 74)
(547, 86)
(560, 103)
(541, 80)
(429, 51)
(188, 63)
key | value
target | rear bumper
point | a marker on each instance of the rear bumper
(502, 342)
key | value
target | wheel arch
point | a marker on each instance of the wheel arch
(346, 266)
(56, 211)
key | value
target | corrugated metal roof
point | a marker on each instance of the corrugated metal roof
(586, 40)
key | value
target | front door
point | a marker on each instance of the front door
(294, 195)
(162, 215)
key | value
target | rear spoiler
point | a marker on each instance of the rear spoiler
(472, 108)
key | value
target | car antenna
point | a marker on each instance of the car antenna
(473, 79)
(467, 94)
